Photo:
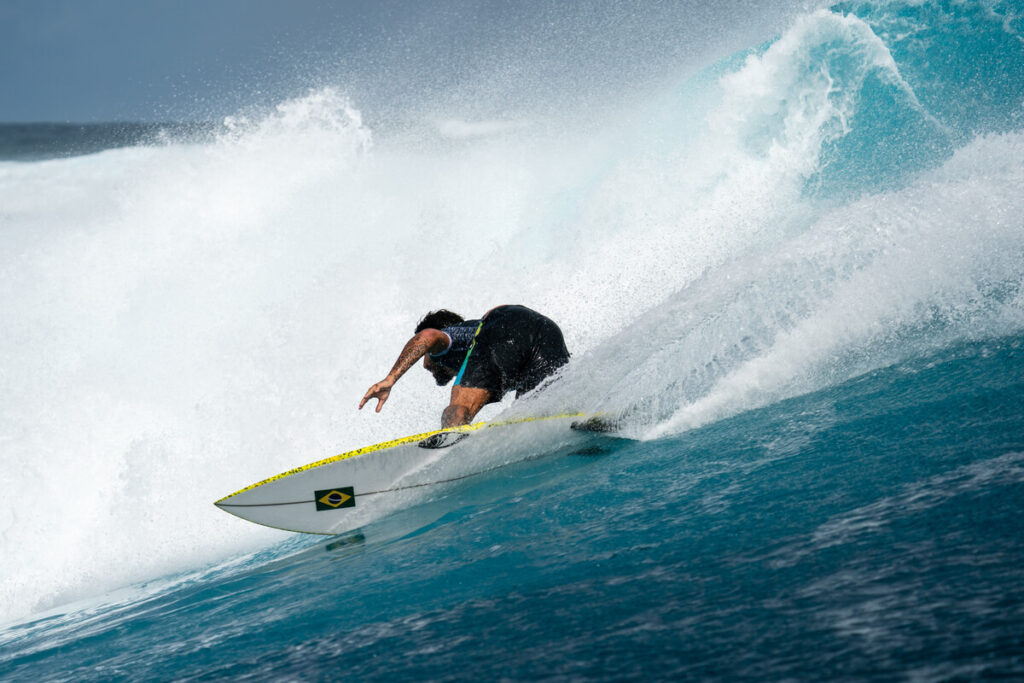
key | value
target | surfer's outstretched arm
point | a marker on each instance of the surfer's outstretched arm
(423, 342)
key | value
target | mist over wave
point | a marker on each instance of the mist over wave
(182, 320)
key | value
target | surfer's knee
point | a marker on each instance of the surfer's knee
(465, 404)
(455, 415)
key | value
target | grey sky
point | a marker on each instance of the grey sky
(102, 60)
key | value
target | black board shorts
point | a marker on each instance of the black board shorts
(516, 349)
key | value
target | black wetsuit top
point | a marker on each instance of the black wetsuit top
(516, 348)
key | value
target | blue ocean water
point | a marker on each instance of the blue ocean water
(868, 530)
(797, 276)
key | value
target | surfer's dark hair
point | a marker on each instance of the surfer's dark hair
(436, 320)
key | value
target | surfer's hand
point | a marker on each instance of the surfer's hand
(380, 391)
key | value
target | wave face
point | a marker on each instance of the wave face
(186, 317)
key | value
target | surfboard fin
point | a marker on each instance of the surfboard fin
(442, 440)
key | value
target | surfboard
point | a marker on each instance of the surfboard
(346, 491)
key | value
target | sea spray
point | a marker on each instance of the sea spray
(796, 290)
(137, 316)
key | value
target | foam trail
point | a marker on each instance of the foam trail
(918, 279)
(879, 280)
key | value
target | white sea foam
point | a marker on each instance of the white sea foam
(184, 320)
(886, 277)
(765, 294)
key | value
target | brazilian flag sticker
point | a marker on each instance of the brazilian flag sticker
(332, 499)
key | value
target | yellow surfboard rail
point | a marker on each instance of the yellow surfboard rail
(462, 429)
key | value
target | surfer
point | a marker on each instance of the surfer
(510, 348)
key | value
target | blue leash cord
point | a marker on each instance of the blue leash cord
(472, 345)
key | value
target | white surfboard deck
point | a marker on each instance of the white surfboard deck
(346, 491)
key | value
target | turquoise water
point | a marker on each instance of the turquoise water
(796, 275)
(867, 530)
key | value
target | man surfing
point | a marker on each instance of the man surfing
(510, 348)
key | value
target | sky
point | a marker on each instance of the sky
(71, 60)
(164, 60)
